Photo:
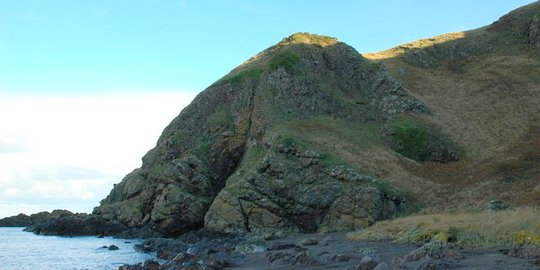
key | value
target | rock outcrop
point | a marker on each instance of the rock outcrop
(22, 220)
(522, 23)
(234, 161)
(311, 136)
(78, 225)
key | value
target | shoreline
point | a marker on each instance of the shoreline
(337, 250)
(327, 251)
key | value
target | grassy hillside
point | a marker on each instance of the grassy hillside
(483, 90)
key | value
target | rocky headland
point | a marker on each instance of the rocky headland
(270, 165)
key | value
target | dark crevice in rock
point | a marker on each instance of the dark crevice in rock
(245, 217)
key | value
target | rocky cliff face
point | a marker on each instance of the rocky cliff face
(311, 136)
(230, 156)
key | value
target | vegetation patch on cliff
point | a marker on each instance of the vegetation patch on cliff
(254, 73)
(420, 141)
(287, 59)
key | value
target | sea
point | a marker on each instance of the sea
(21, 250)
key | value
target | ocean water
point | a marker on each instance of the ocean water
(23, 250)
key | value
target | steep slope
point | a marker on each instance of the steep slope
(483, 88)
(253, 140)
(309, 135)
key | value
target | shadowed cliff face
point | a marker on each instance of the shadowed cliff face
(303, 78)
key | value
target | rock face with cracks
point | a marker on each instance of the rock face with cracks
(229, 161)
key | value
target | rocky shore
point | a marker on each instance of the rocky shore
(323, 251)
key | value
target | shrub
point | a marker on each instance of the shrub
(286, 59)
(247, 74)
(421, 142)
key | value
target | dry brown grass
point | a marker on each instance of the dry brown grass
(422, 43)
(489, 106)
(469, 229)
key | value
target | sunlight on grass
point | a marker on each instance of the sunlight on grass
(483, 229)
(422, 43)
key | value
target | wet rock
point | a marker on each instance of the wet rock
(113, 247)
(165, 248)
(138, 266)
(151, 265)
(367, 263)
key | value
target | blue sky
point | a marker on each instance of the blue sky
(87, 86)
(106, 45)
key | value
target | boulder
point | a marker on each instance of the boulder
(496, 205)
(367, 263)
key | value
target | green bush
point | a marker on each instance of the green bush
(286, 59)
(203, 147)
(413, 140)
(421, 142)
(247, 74)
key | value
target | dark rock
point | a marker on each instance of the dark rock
(165, 248)
(340, 258)
(22, 220)
(78, 225)
(434, 250)
(525, 252)
(279, 257)
(138, 266)
(183, 257)
(382, 266)
(304, 258)
(280, 246)
(165, 254)
(141, 233)
(113, 247)
(534, 31)
(151, 265)
(496, 205)
(367, 263)
(327, 257)
(428, 264)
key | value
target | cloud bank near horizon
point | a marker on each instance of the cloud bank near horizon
(67, 151)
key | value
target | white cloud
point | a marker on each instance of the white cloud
(72, 149)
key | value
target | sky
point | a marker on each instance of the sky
(87, 86)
